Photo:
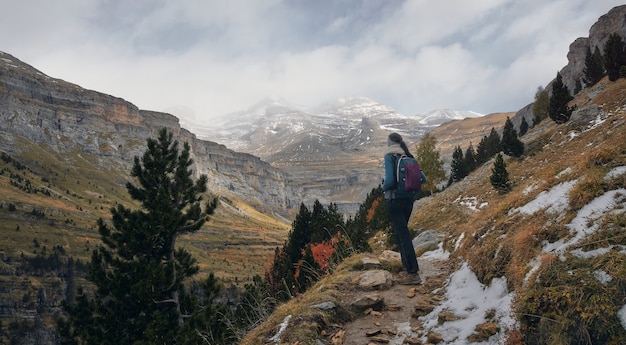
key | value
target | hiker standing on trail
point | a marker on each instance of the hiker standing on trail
(399, 209)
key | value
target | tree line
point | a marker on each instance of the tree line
(489, 146)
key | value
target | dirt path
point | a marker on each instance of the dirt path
(396, 322)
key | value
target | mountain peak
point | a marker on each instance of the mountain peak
(353, 108)
(440, 116)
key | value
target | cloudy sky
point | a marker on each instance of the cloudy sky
(198, 59)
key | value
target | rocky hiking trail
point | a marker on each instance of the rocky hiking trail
(370, 307)
(388, 312)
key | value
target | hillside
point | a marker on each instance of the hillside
(545, 263)
(66, 156)
(463, 132)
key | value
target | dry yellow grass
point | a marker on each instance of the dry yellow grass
(500, 243)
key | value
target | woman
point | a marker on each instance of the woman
(399, 209)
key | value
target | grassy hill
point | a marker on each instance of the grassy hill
(47, 202)
(48, 213)
(557, 238)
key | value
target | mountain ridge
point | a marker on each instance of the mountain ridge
(320, 147)
(65, 116)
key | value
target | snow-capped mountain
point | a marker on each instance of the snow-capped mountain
(275, 123)
(441, 116)
(323, 147)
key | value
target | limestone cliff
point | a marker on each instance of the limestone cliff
(65, 118)
(612, 22)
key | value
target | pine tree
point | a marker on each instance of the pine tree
(560, 112)
(482, 155)
(493, 143)
(325, 222)
(138, 271)
(500, 177)
(510, 143)
(458, 169)
(300, 234)
(430, 162)
(523, 127)
(309, 227)
(281, 276)
(594, 67)
(308, 271)
(614, 56)
(370, 218)
(318, 233)
(541, 105)
(470, 158)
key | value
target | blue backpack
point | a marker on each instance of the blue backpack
(409, 177)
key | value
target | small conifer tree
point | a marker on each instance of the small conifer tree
(286, 277)
(560, 112)
(371, 217)
(523, 127)
(458, 169)
(541, 106)
(614, 56)
(470, 158)
(500, 177)
(510, 144)
(482, 155)
(430, 163)
(594, 67)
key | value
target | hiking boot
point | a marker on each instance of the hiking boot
(405, 278)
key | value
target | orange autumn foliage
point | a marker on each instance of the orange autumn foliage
(370, 212)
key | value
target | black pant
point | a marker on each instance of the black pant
(399, 214)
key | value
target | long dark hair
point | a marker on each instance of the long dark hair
(397, 138)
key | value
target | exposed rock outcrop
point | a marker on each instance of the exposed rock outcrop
(66, 117)
(612, 22)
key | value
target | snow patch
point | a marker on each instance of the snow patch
(622, 316)
(584, 223)
(470, 300)
(535, 264)
(470, 202)
(602, 276)
(437, 254)
(571, 135)
(590, 254)
(564, 172)
(600, 119)
(615, 172)
(529, 189)
(283, 327)
(554, 201)
(457, 244)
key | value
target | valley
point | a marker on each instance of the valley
(67, 152)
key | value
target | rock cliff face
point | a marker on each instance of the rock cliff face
(65, 117)
(612, 22)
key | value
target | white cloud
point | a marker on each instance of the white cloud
(215, 57)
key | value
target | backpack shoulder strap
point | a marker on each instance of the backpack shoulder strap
(396, 173)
